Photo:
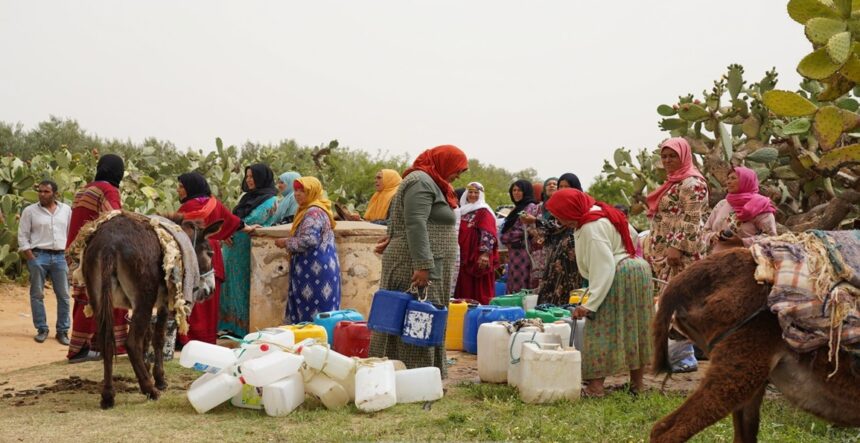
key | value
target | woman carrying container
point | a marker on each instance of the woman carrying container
(314, 265)
(421, 245)
(479, 250)
(256, 208)
(620, 302)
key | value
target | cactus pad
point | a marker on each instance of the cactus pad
(817, 65)
(828, 126)
(751, 126)
(797, 126)
(819, 29)
(788, 104)
(803, 10)
(838, 158)
(851, 68)
(666, 110)
(693, 112)
(763, 155)
(835, 87)
(839, 47)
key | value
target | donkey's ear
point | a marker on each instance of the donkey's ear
(189, 225)
(213, 228)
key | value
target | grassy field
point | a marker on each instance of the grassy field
(64, 409)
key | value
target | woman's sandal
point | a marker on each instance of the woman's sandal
(588, 394)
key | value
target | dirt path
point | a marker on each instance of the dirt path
(17, 347)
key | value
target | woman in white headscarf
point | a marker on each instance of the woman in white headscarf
(479, 249)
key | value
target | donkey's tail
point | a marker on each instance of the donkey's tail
(103, 308)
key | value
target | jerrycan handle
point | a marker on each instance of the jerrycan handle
(414, 290)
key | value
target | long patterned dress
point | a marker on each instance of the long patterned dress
(679, 223)
(561, 273)
(314, 268)
(519, 262)
(421, 229)
(236, 290)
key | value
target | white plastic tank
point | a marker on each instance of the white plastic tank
(213, 391)
(321, 357)
(206, 357)
(418, 384)
(515, 347)
(348, 384)
(550, 373)
(270, 368)
(530, 301)
(276, 337)
(329, 392)
(375, 387)
(562, 329)
(250, 397)
(250, 352)
(493, 354)
(284, 396)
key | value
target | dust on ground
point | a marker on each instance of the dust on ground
(17, 348)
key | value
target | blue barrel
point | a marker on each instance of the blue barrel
(501, 288)
(387, 311)
(504, 313)
(329, 320)
(424, 324)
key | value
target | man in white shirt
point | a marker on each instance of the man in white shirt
(42, 233)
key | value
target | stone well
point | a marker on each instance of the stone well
(360, 270)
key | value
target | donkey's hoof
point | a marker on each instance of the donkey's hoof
(154, 394)
(161, 385)
(107, 402)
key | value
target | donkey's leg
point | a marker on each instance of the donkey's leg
(158, 338)
(739, 368)
(140, 322)
(746, 418)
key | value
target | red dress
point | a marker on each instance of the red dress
(93, 200)
(203, 323)
(477, 236)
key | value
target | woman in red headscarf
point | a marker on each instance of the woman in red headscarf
(421, 245)
(620, 303)
(742, 215)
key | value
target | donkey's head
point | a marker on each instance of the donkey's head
(203, 250)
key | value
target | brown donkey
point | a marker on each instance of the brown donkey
(717, 303)
(124, 269)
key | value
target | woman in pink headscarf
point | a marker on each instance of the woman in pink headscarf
(742, 215)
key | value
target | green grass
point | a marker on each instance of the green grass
(468, 412)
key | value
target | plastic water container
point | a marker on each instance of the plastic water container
(544, 316)
(515, 300)
(304, 331)
(206, 357)
(352, 338)
(493, 352)
(387, 311)
(322, 358)
(530, 301)
(375, 387)
(213, 391)
(250, 352)
(330, 393)
(457, 310)
(562, 329)
(275, 337)
(577, 332)
(419, 384)
(202, 379)
(501, 288)
(329, 320)
(557, 311)
(349, 385)
(515, 348)
(486, 314)
(550, 373)
(424, 324)
(578, 296)
(284, 396)
(270, 368)
(250, 397)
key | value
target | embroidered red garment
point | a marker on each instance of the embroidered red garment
(472, 281)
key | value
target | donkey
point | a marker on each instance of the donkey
(124, 270)
(718, 305)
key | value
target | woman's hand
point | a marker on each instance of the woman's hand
(528, 219)
(421, 278)
(228, 241)
(382, 244)
(248, 229)
(281, 242)
(484, 261)
(354, 217)
(580, 312)
(673, 257)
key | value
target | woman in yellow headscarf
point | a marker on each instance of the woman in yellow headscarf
(387, 181)
(314, 267)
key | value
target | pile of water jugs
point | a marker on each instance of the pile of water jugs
(269, 371)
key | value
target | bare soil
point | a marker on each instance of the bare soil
(17, 347)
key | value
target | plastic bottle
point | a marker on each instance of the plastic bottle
(206, 357)
(213, 391)
(284, 396)
(550, 373)
(419, 384)
(250, 352)
(330, 393)
(269, 368)
(375, 387)
(276, 337)
(322, 358)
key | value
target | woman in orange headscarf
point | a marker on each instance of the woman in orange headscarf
(422, 245)
(619, 307)
(386, 184)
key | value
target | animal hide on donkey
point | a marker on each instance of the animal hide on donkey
(124, 268)
(718, 304)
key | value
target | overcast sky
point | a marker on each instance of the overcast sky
(554, 85)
